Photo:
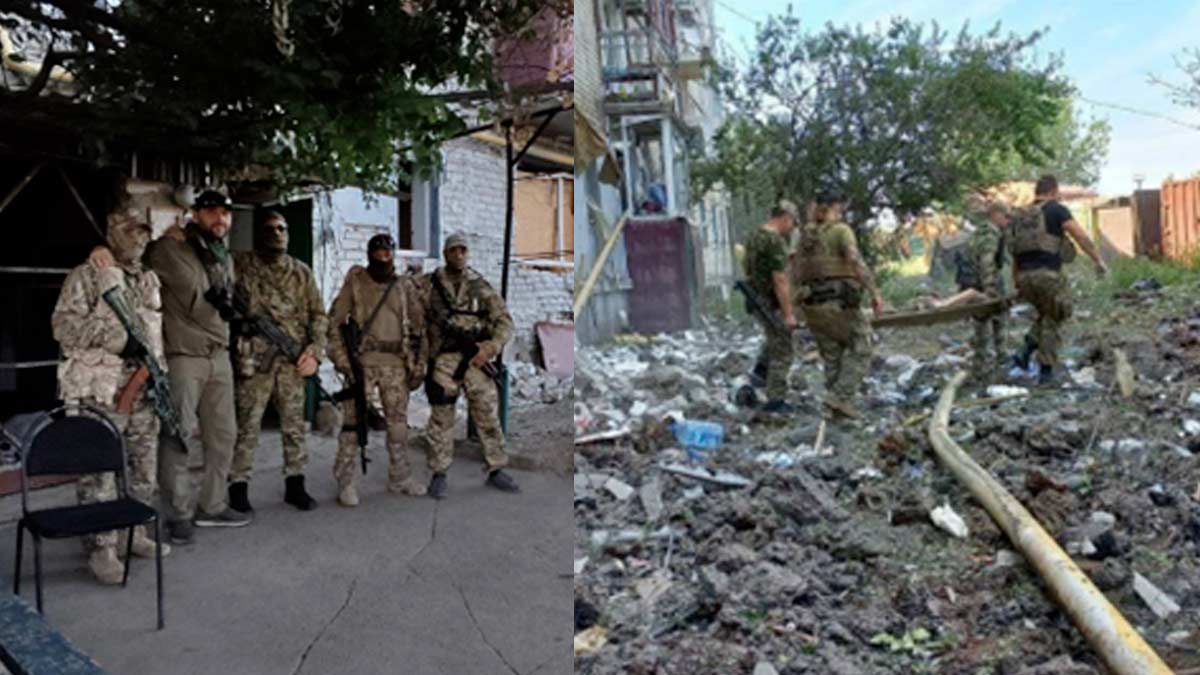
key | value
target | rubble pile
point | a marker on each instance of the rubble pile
(795, 549)
(530, 385)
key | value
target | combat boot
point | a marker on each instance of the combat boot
(348, 495)
(1021, 358)
(1046, 376)
(406, 486)
(239, 497)
(143, 545)
(295, 494)
(502, 481)
(758, 376)
(105, 566)
(437, 486)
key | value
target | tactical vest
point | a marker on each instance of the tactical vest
(1029, 233)
(817, 262)
(467, 322)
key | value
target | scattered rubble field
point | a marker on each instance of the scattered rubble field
(825, 558)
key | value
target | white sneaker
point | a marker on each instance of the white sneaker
(105, 566)
(348, 495)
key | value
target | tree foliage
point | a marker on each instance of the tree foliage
(901, 117)
(326, 89)
(1072, 148)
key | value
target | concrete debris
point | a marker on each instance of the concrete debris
(1125, 375)
(1191, 427)
(618, 489)
(769, 557)
(724, 478)
(590, 641)
(651, 496)
(1160, 603)
(949, 520)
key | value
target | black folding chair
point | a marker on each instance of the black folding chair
(87, 442)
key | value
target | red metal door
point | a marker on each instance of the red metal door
(656, 250)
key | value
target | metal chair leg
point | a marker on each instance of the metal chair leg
(20, 547)
(37, 569)
(158, 569)
(128, 557)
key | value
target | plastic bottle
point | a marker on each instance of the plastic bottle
(698, 438)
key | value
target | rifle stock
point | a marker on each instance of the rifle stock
(757, 306)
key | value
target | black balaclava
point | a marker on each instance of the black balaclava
(380, 270)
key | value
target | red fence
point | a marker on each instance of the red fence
(1180, 218)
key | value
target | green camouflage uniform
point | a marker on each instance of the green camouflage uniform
(93, 372)
(766, 254)
(831, 300)
(983, 259)
(392, 353)
(474, 308)
(285, 291)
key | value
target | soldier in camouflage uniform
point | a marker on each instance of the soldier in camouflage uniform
(282, 289)
(97, 365)
(765, 269)
(465, 314)
(981, 268)
(1040, 238)
(390, 310)
(833, 278)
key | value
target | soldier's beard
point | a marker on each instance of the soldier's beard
(456, 266)
(381, 270)
(272, 252)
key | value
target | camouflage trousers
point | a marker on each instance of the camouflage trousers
(987, 345)
(391, 383)
(844, 342)
(1050, 296)
(140, 428)
(483, 403)
(284, 387)
(776, 358)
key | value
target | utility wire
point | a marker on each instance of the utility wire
(736, 12)
(1138, 111)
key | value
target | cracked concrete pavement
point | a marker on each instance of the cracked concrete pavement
(477, 583)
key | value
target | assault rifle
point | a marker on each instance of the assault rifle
(150, 372)
(756, 305)
(259, 324)
(357, 389)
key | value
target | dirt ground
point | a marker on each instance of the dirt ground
(828, 562)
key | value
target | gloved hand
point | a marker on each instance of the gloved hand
(109, 277)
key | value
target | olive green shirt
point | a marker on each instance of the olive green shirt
(766, 254)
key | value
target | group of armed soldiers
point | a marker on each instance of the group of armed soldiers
(230, 331)
(824, 279)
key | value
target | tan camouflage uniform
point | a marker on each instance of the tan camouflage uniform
(93, 372)
(481, 311)
(392, 355)
(285, 291)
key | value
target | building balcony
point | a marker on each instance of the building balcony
(635, 54)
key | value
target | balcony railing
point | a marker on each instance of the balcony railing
(634, 53)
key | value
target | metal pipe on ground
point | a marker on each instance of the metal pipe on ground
(1118, 644)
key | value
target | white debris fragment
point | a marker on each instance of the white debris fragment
(619, 489)
(580, 564)
(1191, 427)
(693, 493)
(1160, 603)
(638, 409)
(947, 519)
(1193, 399)
(1006, 391)
(1085, 377)
(777, 459)
(866, 472)
(764, 668)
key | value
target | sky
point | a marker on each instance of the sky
(1109, 50)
